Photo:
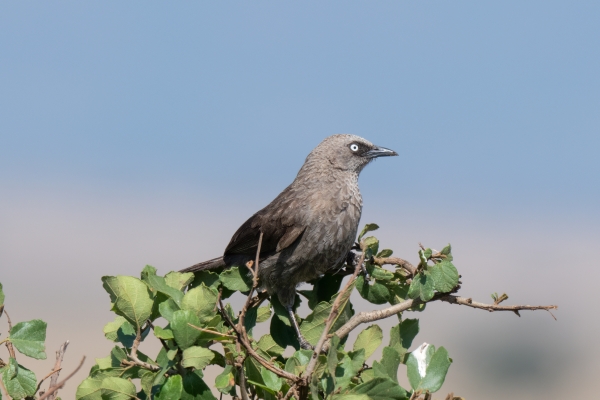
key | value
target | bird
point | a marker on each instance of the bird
(310, 227)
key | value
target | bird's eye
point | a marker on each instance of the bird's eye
(354, 147)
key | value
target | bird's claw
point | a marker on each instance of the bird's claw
(365, 273)
(305, 345)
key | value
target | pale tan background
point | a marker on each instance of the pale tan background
(55, 248)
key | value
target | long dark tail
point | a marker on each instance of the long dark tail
(206, 265)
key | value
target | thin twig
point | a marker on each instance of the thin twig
(57, 368)
(332, 316)
(211, 332)
(370, 316)
(9, 345)
(253, 267)
(44, 378)
(292, 392)
(411, 269)
(241, 332)
(4, 389)
(60, 384)
(252, 352)
(466, 301)
(133, 353)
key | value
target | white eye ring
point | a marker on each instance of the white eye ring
(354, 147)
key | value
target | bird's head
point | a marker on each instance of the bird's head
(347, 152)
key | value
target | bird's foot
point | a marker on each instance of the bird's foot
(352, 259)
(304, 344)
(365, 272)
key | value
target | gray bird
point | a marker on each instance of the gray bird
(310, 227)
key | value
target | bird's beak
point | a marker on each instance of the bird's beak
(379, 152)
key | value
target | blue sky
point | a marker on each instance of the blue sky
(494, 103)
(146, 132)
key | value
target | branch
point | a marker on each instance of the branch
(467, 301)
(133, 354)
(411, 269)
(254, 273)
(55, 371)
(211, 331)
(370, 316)
(60, 384)
(332, 316)
(253, 353)
(9, 345)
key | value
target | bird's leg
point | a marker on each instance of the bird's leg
(352, 259)
(303, 342)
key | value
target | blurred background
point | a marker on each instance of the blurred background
(146, 133)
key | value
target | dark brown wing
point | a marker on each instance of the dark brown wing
(278, 224)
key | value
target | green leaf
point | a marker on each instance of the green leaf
(147, 382)
(179, 280)
(117, 355)
(369, 339)
(184, 334)
(323, 289)
(147, 271)
(202, 301)
(385, 253)
(159, 284)
(117, 389)
(372, 244)
(196, 357)
(280, 311)
(225, 381)
(374, 292)
(28, 337)
(268, 345)
(332, 357)
(234, 279)
(447, 251)
(388, 366)
(312, 327)
(427, 368)
(89, 389)
(382, 274)
(172, 389)
(376, 389)
(18, 380)
(444, 275)
(104, 363)
(271, 380)
(263, 314)
(296, 364)
(126, 334)
(167, 308)
(402, 335)
(421, 286)
(194, 387)
(161, 333)
(282, 334)
(208, 278)
(250, 319)
(349, 367)
(314, 323)
(131, 298)
(367, 228)
(110, 329)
